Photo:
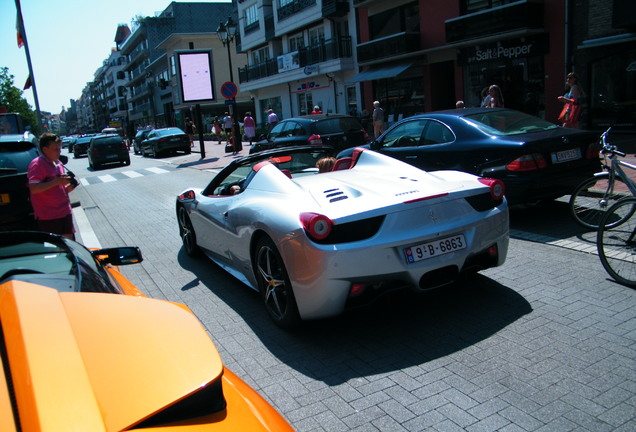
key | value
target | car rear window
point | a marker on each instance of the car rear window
(508, 122)
(336, 125)
(107, 141)
(170, 131)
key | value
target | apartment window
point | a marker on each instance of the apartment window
(260, 56)
(282, 3)
(173, 66)
(397, 20)
(296, 42)
(251, 15)
(316, 36)
(470, 6)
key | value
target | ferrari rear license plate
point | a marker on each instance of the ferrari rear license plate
(4, 198)
(434, 248)
(566, 155)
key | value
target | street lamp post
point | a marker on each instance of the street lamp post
(226, 33)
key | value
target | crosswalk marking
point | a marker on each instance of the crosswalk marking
(157, 170)
(123, 175)
(132, 174)
(107, 178)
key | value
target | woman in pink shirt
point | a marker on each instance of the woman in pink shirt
(249, 126)
(49, 186)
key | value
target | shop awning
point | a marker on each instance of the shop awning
(376, 72)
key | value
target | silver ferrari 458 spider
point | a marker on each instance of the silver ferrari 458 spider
(316, 243)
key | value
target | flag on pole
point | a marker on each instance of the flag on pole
(27, 84)
(18, 27)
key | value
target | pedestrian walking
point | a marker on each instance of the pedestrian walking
(378, 119)
(571, 113)
(249, 126)
(49, 186)
(272, 119)
(189, 130)
(227, 127)
(217, 131)
(496, 97)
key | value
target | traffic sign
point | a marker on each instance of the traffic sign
(229, 90)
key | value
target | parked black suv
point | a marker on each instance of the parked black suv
(335, 130)
(16, 153)
(105, 149)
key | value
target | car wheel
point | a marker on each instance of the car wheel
(126, 162)
(188, 237)
(154, 152)
(188, 150)
(274, 285)
(76, 155)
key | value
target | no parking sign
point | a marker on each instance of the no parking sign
(229, 90)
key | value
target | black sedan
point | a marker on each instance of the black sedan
(80, 147)
(535, 159)
(139, 137)
(166, 140)
(335, 130)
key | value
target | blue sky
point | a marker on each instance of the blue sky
(68, 41)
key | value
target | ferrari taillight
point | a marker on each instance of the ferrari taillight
(317, 226)
(529, 162)
(315, 140)
(497, 188)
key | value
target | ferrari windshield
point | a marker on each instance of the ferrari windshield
(507, 122)
(296, 161)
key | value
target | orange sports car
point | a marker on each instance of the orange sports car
(76, 357)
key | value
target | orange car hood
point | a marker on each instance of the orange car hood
(135, 358)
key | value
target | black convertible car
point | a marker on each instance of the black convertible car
(536, 160)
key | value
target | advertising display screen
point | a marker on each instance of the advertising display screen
(195, 72)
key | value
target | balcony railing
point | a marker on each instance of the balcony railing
(390, 46)
(318, 53)
(335, 8)
(293, 8)
(520, 15)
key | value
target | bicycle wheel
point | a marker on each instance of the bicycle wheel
(591, 198)
(616, 242)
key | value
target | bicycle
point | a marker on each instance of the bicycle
(592, 197)
(616, 241)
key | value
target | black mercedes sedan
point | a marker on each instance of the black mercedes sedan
(165, 140)
(536, 160)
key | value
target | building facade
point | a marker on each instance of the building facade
(299, 55)
(145, 102)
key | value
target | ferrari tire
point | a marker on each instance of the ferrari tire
(274, 285)
(188, 236)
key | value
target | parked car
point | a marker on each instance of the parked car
(536, 160)
(16, 153)
(106, 149)
(139, 137)
(85, 358)
(337, 131)
(81, 145)
(314, 244)
(68, 142)
(166, 140)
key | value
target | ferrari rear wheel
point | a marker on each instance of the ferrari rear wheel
(274, 285)
(188, 237)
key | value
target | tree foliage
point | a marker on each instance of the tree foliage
(11, 98)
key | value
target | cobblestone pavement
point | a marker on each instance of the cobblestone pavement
(544, 343)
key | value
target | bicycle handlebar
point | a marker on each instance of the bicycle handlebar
(608, 148)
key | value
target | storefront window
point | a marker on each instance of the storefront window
(305, 104)
(613, 91)
(401, 97)
(521, 82)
